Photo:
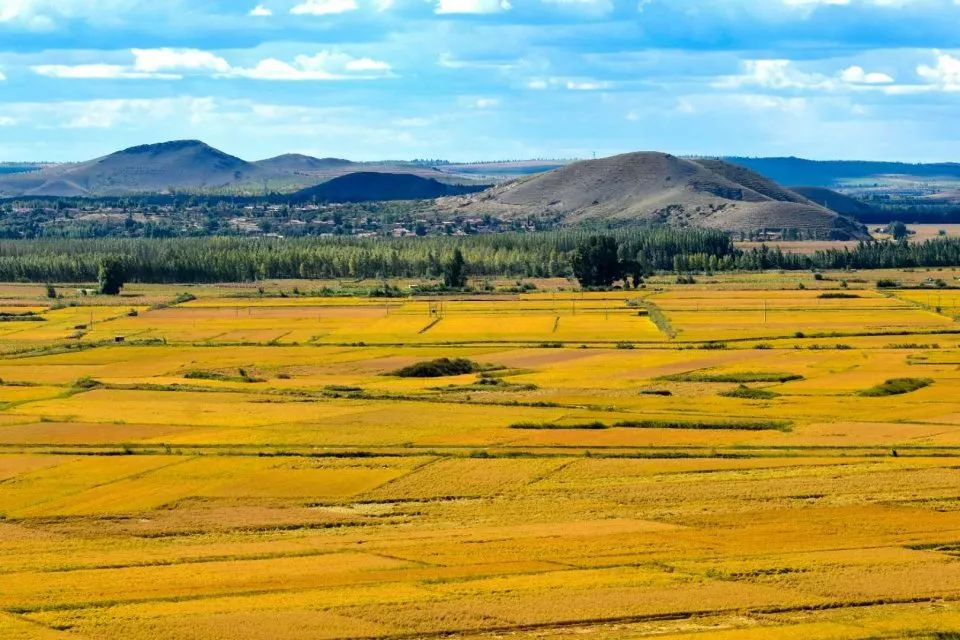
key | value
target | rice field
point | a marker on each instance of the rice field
(681, 461)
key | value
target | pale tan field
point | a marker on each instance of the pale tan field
(247, 467)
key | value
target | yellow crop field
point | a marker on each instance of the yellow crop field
(738, 459)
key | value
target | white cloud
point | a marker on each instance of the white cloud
(324, 7)
(807, 3)
(570, 84)
(586, 85)
(767, 103)
(166, 59)
(2, 76)
(173, 64)
(484, 103)
(43, 15)
(96, 72)
(25, 12)
(325, 65)
(7, 121)
(360, 65)
(260, 11)
(783, 75)
(774, 74)
(106, 114)
(591, 6)
(472, 6)
(856, 75)
(945, 76)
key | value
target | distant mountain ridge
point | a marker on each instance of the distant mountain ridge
(300, 162)
(189, 166)
(829, 173)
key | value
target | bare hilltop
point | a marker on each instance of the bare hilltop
(660, 188)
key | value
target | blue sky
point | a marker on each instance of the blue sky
(482, 79)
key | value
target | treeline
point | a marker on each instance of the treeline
(947, 213)
(547, 254)
(227, 259)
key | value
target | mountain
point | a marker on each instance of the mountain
(652, 187)
(154, 168)
(296, 162)
(844, 205)
(366, 186)
(832, 173)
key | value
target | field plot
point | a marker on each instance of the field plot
(705, 315)
(550, 465)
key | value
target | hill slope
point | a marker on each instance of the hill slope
(659, 188)
(844, 205)
(365, 186)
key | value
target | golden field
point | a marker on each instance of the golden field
(681, 461)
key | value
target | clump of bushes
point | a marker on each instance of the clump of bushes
(746, 393)
(736, 425)
(837, 295)
(887, 284)
(439, 368)
(896, 387)
(245, 376)
(86, 382)
(656, 392)
(739, 377)
(714, 346)
(550, 425)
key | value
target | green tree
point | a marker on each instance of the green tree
(111, 276)
(51, 292)
(596, 262)
(898, 230)
(455, 271)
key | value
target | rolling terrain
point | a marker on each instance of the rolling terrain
(660, 188)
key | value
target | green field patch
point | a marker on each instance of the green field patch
(895, 387)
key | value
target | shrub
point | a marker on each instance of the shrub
(438, 368)
(887, 284)
(656, 392)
